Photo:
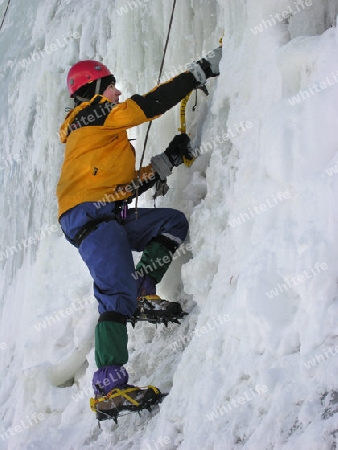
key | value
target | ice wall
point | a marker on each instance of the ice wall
(254, 364)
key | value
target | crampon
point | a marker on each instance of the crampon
(122, 401)
(155, 310)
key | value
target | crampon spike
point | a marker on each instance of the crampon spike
(151, 398)
(157, 317)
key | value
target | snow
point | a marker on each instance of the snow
(254, 365)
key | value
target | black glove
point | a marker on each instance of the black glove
(206, 67)
(178, 150)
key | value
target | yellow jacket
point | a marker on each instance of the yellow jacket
(99, 162)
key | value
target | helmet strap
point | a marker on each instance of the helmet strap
(78, 100)
(98, 85)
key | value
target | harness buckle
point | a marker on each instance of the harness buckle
(121, 210)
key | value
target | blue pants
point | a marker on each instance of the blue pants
(107, 250)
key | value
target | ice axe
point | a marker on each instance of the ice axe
(183, 128)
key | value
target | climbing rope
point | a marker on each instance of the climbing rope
(158, 82)
(3, 19)
(159, 78)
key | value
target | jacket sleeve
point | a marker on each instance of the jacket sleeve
(143, 108)
(148, 178)
(144, 180)
(166, 95)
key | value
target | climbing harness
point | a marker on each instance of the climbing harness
(119, 214)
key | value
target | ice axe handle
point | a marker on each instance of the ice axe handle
(188, 162)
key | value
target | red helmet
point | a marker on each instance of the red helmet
(85, 72)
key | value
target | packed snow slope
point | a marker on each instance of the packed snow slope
(254, 366)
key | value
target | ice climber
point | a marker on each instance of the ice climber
(98, 179)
